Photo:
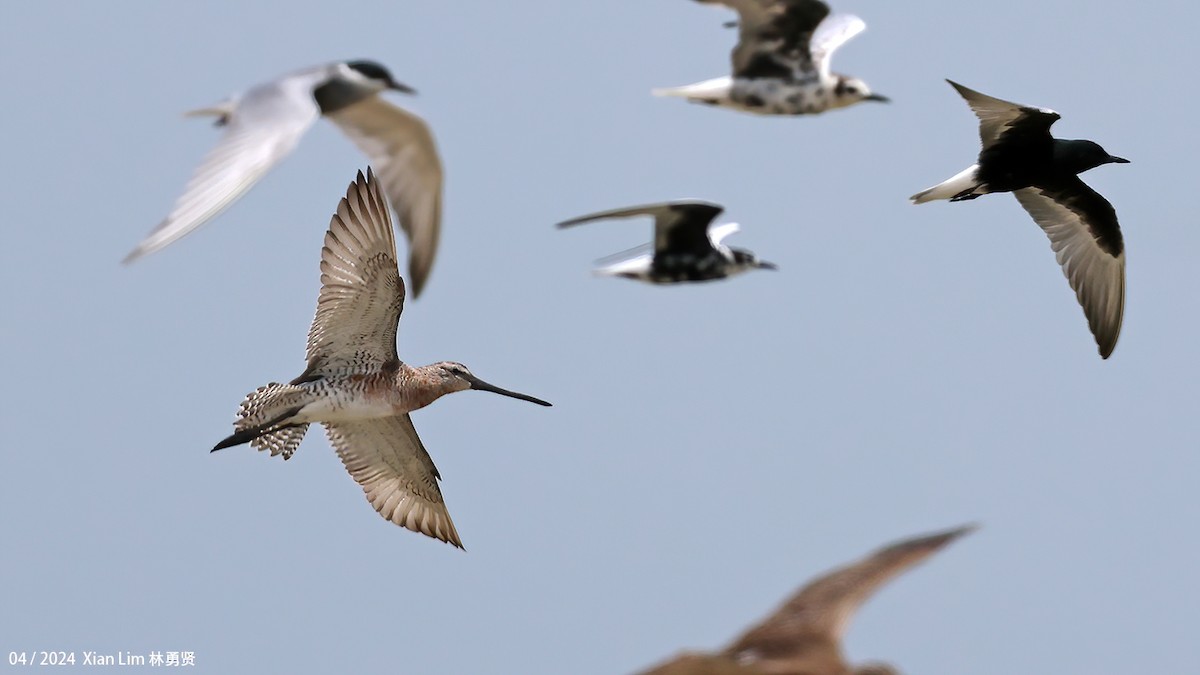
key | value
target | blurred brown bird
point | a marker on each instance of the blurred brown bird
(803, 637)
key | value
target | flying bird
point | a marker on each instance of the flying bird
(1020, 156)
(781, 61)
(355, 384)
(804, 636)
(686, 246)
(264, 123)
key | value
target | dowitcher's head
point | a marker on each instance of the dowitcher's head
(456, 377)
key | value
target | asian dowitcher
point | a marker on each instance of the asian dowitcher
(686, 247)
(355, 384)
(781, 61)
(1020, 156)
(803, 637)
(264, 124)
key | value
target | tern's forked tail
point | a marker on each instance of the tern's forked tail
(263, 419)
(221, 111)
(716, 89)
(956, 187)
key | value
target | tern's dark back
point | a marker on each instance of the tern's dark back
(673, 267)
(1016, 160)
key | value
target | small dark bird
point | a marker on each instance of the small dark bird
(1020, 156)
(781, 61)
(686, 248)
(803, 637)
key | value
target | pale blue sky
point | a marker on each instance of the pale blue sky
(711, 446)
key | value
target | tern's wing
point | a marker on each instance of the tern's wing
(362, 293)
(264, 127)
(822, 610)
(773, 36)
(402, 151)
(998, 117)
(718, 233)
(388, 460)
(833, 32)
(1087, 241)
(678, 225)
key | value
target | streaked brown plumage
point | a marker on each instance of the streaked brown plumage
(355, 383)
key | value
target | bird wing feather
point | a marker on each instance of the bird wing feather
(1086, 238)
(264, 127)
(821, 611)
(998, 117)
(680, 225)
(404, 154)
(362, 294)
(386, 457)
(774, 36)
(835, 31)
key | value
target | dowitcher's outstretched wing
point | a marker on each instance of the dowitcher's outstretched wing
(774, 36)
(388, 460)
(1086, 238)
(1003, 118)
(402, 150)
(362, 293)
(820, 612)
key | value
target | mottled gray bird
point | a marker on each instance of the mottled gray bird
(1020, 156)
(686, 246)
(804, 636)
(264, 123)
(355, 383)
(781, 61)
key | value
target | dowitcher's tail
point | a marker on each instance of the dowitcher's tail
(264, 420)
